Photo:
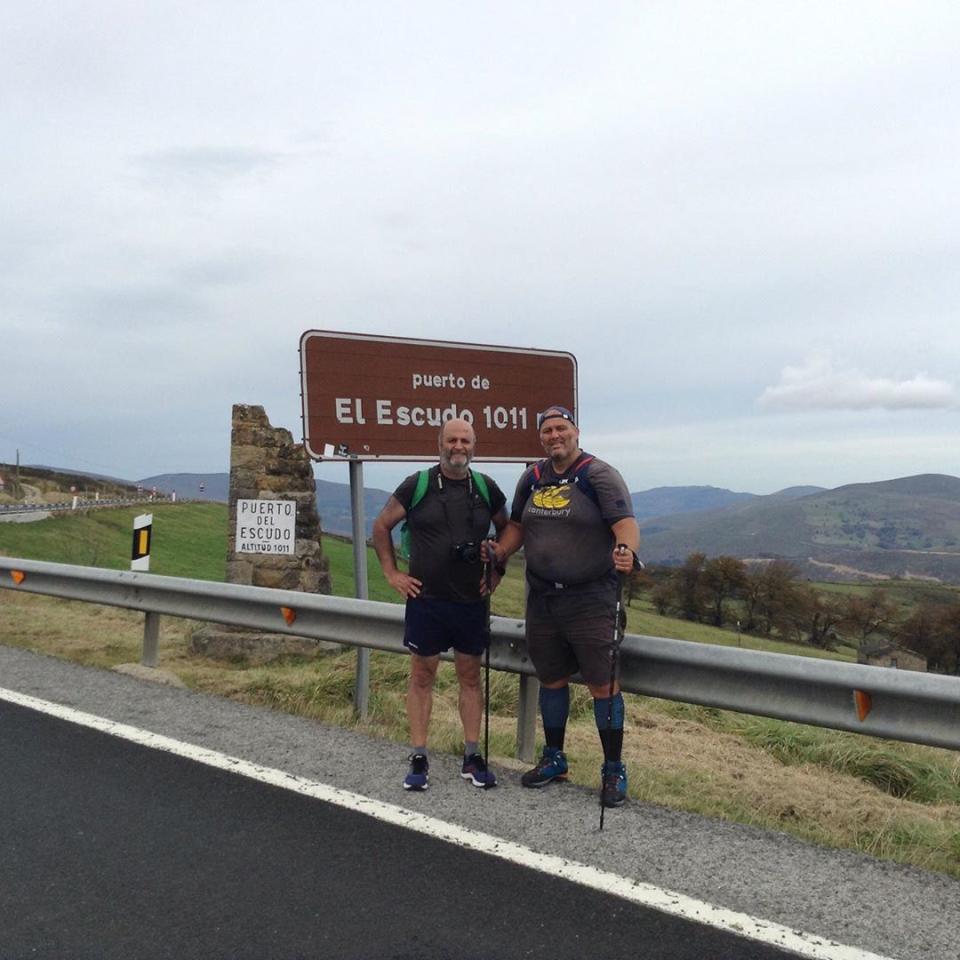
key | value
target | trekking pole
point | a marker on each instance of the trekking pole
(617, 637)
(488, 576)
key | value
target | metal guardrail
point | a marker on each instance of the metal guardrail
(880, 702)
(82, 504)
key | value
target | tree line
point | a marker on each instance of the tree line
(771, 599)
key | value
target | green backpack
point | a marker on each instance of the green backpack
(420, 491)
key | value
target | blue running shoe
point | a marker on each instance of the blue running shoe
(475, 770)
(552, 765)
(419, 773)
(614, 791)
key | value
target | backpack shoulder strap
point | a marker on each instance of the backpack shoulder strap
(581, 479)
(420, 491)
(480, 482)
(537, 472)
(581, 465)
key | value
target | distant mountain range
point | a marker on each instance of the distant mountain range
(909, 527)
(333, 499)
(665, 501)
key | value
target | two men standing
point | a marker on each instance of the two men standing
(573, 516)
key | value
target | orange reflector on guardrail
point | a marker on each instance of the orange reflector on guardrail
(289, 614)
(18, 576)
(863, 702)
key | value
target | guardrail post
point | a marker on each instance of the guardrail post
(151, 639)
(527, 718)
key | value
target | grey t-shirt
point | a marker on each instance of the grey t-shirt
(451, 512)
(566, 533)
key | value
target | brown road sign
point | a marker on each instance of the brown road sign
(384, 398)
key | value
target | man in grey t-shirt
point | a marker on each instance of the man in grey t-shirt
(573, 516)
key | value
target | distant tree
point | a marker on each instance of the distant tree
(662, 597)
(772, 597)
(944, 655)
(752, 594)
(722, 579)
(637, 583)
(682, 593)
(918, 631)
(864, 616)
(689, 587)
(818, 615)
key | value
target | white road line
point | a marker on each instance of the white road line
(645, 894)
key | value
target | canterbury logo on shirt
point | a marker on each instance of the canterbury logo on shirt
(552, 498)
(552, 502)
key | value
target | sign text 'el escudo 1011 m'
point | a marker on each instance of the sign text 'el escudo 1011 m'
(385, 398)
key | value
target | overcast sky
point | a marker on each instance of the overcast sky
(742, 218)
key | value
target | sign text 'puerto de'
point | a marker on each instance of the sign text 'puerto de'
(385, 398)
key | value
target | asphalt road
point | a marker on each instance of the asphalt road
(28, 516)
(113, 849)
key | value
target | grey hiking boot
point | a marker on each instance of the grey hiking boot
(614, 792)
(552, 765)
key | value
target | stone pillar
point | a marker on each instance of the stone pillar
(266, 464)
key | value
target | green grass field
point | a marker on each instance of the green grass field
(188, 540)
(907, 594)
(889, 799)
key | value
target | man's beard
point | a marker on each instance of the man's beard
(460, 468)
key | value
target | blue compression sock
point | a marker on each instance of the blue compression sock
(602, 709)
(554, 709)
(611, 731)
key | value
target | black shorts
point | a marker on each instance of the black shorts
(572, 632)
(433, 626)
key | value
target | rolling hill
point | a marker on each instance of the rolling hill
(909, 527)
(664, 501)
(333, 499)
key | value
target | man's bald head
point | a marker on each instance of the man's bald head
(460, 427)
(457, 440)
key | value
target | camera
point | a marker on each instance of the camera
(467, 552)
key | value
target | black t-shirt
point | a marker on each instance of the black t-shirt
(451, 512)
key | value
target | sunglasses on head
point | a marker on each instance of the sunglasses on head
(550, 413)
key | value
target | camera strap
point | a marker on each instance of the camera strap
(470, 507)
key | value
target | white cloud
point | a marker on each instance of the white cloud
(670, 192)
(765, 454)
(818, 384)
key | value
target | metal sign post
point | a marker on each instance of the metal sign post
(361, 697)
(140, 560)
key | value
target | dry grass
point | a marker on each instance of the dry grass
(750, 785)
(748, 770)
